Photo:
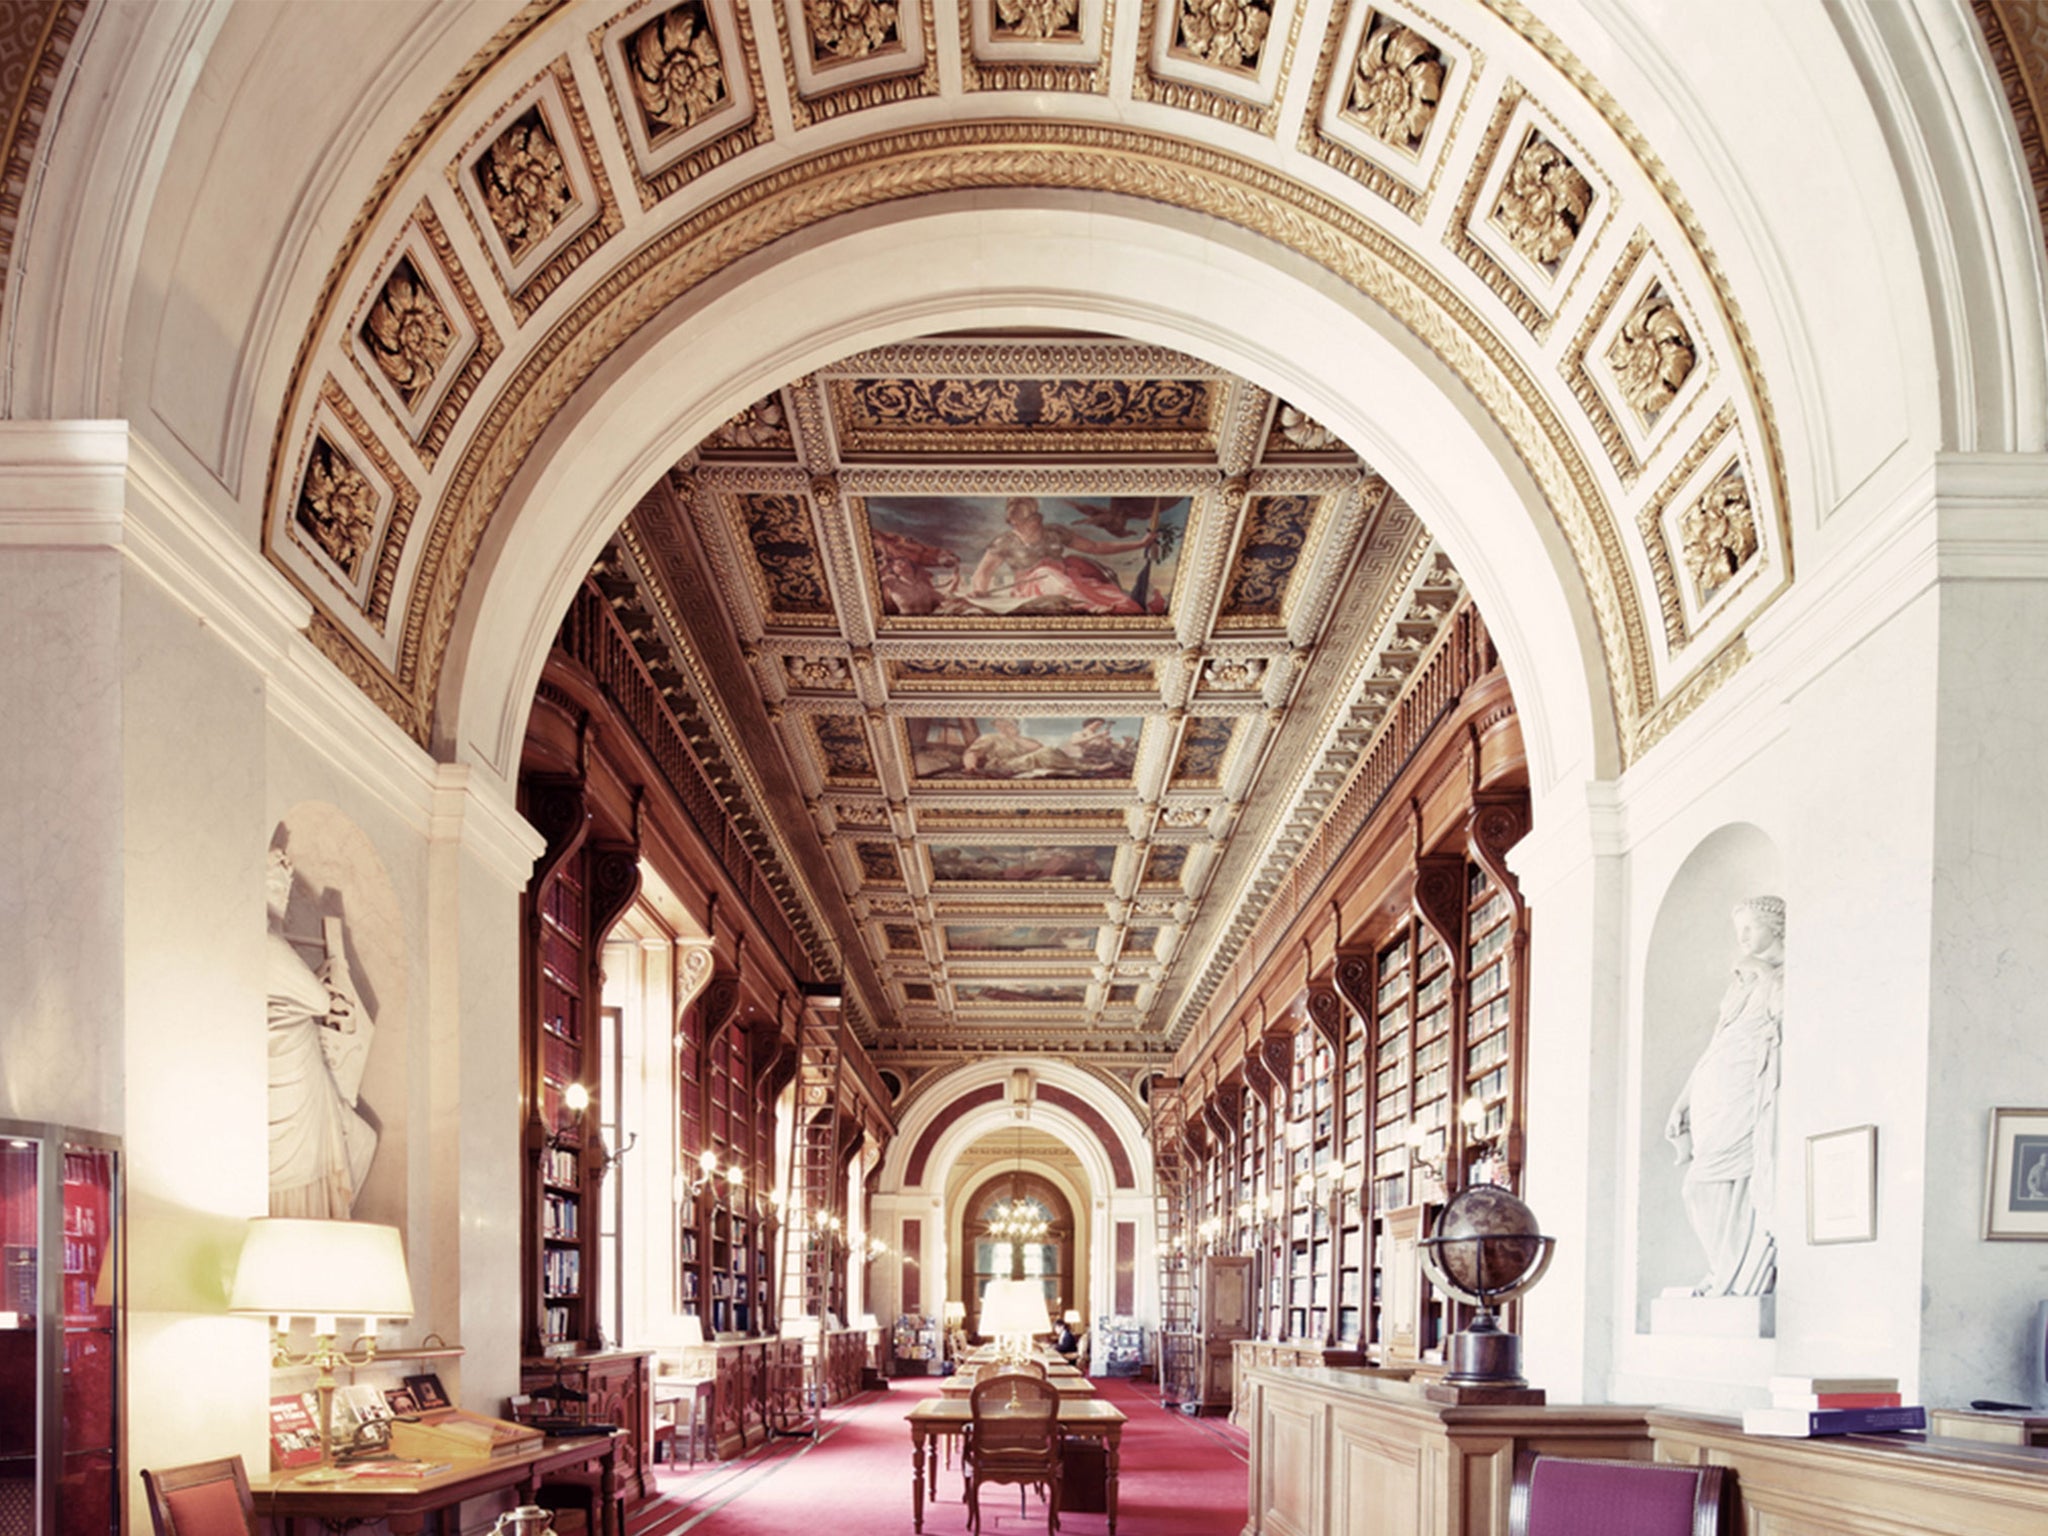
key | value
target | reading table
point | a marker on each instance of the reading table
(406, 1504)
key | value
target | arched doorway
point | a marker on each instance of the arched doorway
(1019, 1227)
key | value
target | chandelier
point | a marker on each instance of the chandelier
(1019, 1220)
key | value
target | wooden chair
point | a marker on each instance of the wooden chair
(1563, 1496)
(207, 1498)
(1013, 1436)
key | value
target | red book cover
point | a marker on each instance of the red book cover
(1837, 1400)
(294, 1433)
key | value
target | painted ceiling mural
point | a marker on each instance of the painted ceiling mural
(1036, 646)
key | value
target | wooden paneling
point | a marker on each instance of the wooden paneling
(618, 1386)
(1340, 1451)
(1866, 1485)
(1291, 1481)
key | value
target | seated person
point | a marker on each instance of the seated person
(1066, 1344)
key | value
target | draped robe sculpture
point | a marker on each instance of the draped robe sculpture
(1724, 1125)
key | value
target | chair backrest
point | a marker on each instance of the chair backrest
(1015, 1416)
(1564, 1496)
(207, 1498)
(1032, 1367)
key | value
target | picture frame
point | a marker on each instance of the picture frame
(2016, 1177)
(1841, 1186)
(428, 1393)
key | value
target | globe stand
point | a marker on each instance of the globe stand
(1485, 1360)
(1485, 1355)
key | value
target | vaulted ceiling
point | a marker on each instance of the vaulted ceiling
(1032, 650)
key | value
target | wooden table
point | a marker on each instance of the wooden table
(680, 1395)
(1066, 1386)
(406, 1504)
(934, 1418)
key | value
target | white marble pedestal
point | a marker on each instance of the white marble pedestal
(1718, 1317)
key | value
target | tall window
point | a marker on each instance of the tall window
(998, 1252)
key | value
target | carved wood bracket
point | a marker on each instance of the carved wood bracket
(1500, 819)
(559, 812)
(1326, 1012)
(1440, 896)
(1353, 976)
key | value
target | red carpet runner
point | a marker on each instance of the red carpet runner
(1180, 1477)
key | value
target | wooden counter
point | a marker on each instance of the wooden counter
(1337, 1450)
(1866, 1485)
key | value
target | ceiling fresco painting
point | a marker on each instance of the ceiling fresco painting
(1040, 648)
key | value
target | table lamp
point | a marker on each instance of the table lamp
(324, 1270)
(1011, 1312)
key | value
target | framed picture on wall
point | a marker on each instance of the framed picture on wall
(1841, 1186)
(2016, 1176)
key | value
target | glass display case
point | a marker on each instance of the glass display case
(61, 1364)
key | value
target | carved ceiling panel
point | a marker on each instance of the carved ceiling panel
(1014, 632)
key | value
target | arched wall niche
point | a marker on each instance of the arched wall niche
(1076, 260)
(979, 1188)
(988, 1118)
(1685, 971)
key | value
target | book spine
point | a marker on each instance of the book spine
(1863, 1421)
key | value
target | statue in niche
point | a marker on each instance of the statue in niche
(1725, 1123)
(320, 1032)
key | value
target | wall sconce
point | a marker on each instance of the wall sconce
(1487, 1166)
(324, 1270)
(709, 1176)
(1428, 1163)
(876, 1248)
(576, 1100)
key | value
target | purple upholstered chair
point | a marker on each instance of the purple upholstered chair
(1559, 1496)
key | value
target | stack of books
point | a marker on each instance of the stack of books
(1805, 1406)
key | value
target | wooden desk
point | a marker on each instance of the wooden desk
(1066, 1386)
(679, 1395)
(935, 1418)
(407, 1503)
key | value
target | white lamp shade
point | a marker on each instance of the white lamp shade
(1012, 1307)
(296, 1267)
(693, 1332)
(1073, 1316)
(956, 1311)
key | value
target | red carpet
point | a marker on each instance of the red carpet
(1180, 1477)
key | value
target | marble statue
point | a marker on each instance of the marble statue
(320, 1143)
(1725, 1123)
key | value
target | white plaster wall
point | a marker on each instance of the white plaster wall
(61, 910)
(1990, 936)
(482, 855)
(194, 1060)
(1858, 844)
(1833, 766)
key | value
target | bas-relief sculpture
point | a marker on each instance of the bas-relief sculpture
(1724, 1125)
(320, 1035)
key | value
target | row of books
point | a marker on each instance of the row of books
(1803, 1407)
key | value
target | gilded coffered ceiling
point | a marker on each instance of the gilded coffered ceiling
(1034, 649)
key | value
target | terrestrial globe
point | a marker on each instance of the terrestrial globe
(1486, 1250)
(1487, 1244)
